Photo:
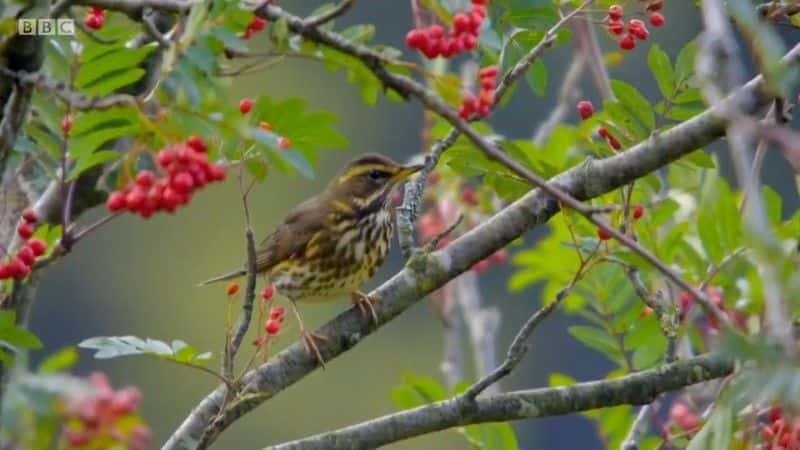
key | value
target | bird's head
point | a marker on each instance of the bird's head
(366, 182)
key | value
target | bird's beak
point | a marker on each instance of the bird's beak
(407, 171)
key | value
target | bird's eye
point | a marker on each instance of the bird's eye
(377, 174)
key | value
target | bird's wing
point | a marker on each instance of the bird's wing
(291, 238)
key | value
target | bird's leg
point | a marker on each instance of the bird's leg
(366, 304)
(309, 337)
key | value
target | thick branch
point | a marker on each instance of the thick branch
(636, 389)
(425, 275)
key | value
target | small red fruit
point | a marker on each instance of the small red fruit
(232, 288)
(615, 12)
(481, 266)
(19, 269)
(94, 21)
(245, 105)
(469, 196)
(657, 19)
(284, 143)
(616, 28)
(115, 201)
(638, 212)
(276, 312)
(257, 24)
(94, 10)
(775, 414)
(638, 29)
(182, 182)
(268, 292)
(416, 38)
(197, 144)
(646, 312)
(30, 216)
(25, 230)
(603, 133)
(26, 255)
(145, 178)
(614, 143)
(603, 234)
(585, 109)
(627, 42)
(134, 199)
(435, 31)
(273, 326)
(37, 246)
(461, 22)
(5, 271)
(266, 126)
(165, 157)
(66, 124)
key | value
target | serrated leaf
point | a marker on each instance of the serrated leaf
(95, 159)
(661, 68)
(107, 64)
(634, 102)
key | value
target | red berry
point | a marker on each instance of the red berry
(487, 83)
(627, 42)
(655, 5)
(616, 28)
(435, 31)
(37, 246)
(603, 234)
(468, 196)
(686, 301)
(276, 312)
(165, 157)
(585, 109)
(638, 29)
(25, 230)
(479, 2)
(182, 182)
(145, 178)
(257, 24)
(657, 19)
(5, 271)
(183, 154)
(217, 172)
(481, 266)
(30, 216)
(603, 133)
(170, 199)
(245, 105)
(66, 124)
(416, 38)
(488, 72)
(646, 312)
(19, 269)
(116, 201)
(197, 144)
(248, 33)
(284, 143)
(484, 110)
(26, 255)
(135, 199)
(94, 21)
(266, 126)
(461, 22)
(273, 326)
(469, 41)
(232, 288)
(76, 438)
(480, 10)
(775, 414)
(268, 292)
(486, 97)
(615, 12)
(499, 257)
(638, 212)
(94, 10)
(614, 143)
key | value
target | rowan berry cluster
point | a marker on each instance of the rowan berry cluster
(780, 433)
(96, 18)
(274, 322)
(21, 264)
(482, 104)
(105, 415)
(684, 417)
(586, 110)
(435, 40)
(635, 28)
(186, 169)
(256, 24)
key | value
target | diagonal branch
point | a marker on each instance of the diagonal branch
(427, 273)
(636, 389)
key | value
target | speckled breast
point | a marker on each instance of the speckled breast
(334, 268)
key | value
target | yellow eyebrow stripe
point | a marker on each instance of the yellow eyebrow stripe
(358, 170)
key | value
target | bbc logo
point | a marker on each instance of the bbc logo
(46, 27)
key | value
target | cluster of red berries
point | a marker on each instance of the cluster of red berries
(21, 264)
(686, 302)
(435, 41)
(779, 433)
(96, 18)
(255, 25)
(681, 415)
(635, 29)
(105, 415)
(187, 169)
(586, 110)
(482, 104)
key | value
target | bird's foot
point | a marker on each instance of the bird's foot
(366, 304)
(309, 342)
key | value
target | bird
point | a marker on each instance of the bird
(331, 244)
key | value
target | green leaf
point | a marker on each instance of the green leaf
(492, 436)
(106, 64)
(699, 158)
(359, 33)
(559, 380)
(95, 159)
(660, 66)
(16, 336)
(60, 361)
(113, 81)
(536, 18)
(537, 78)
(597, 339)
(634, 102)
(116, 346)
(684, 63)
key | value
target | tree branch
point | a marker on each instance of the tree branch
(427, 273)
(635, 389)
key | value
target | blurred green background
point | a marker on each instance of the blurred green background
(138, 277)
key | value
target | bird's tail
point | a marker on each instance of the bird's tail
(228, 276)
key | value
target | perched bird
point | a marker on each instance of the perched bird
(330, 244)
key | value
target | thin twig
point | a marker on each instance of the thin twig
(331, 14)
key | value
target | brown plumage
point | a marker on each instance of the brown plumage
(332, 243)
